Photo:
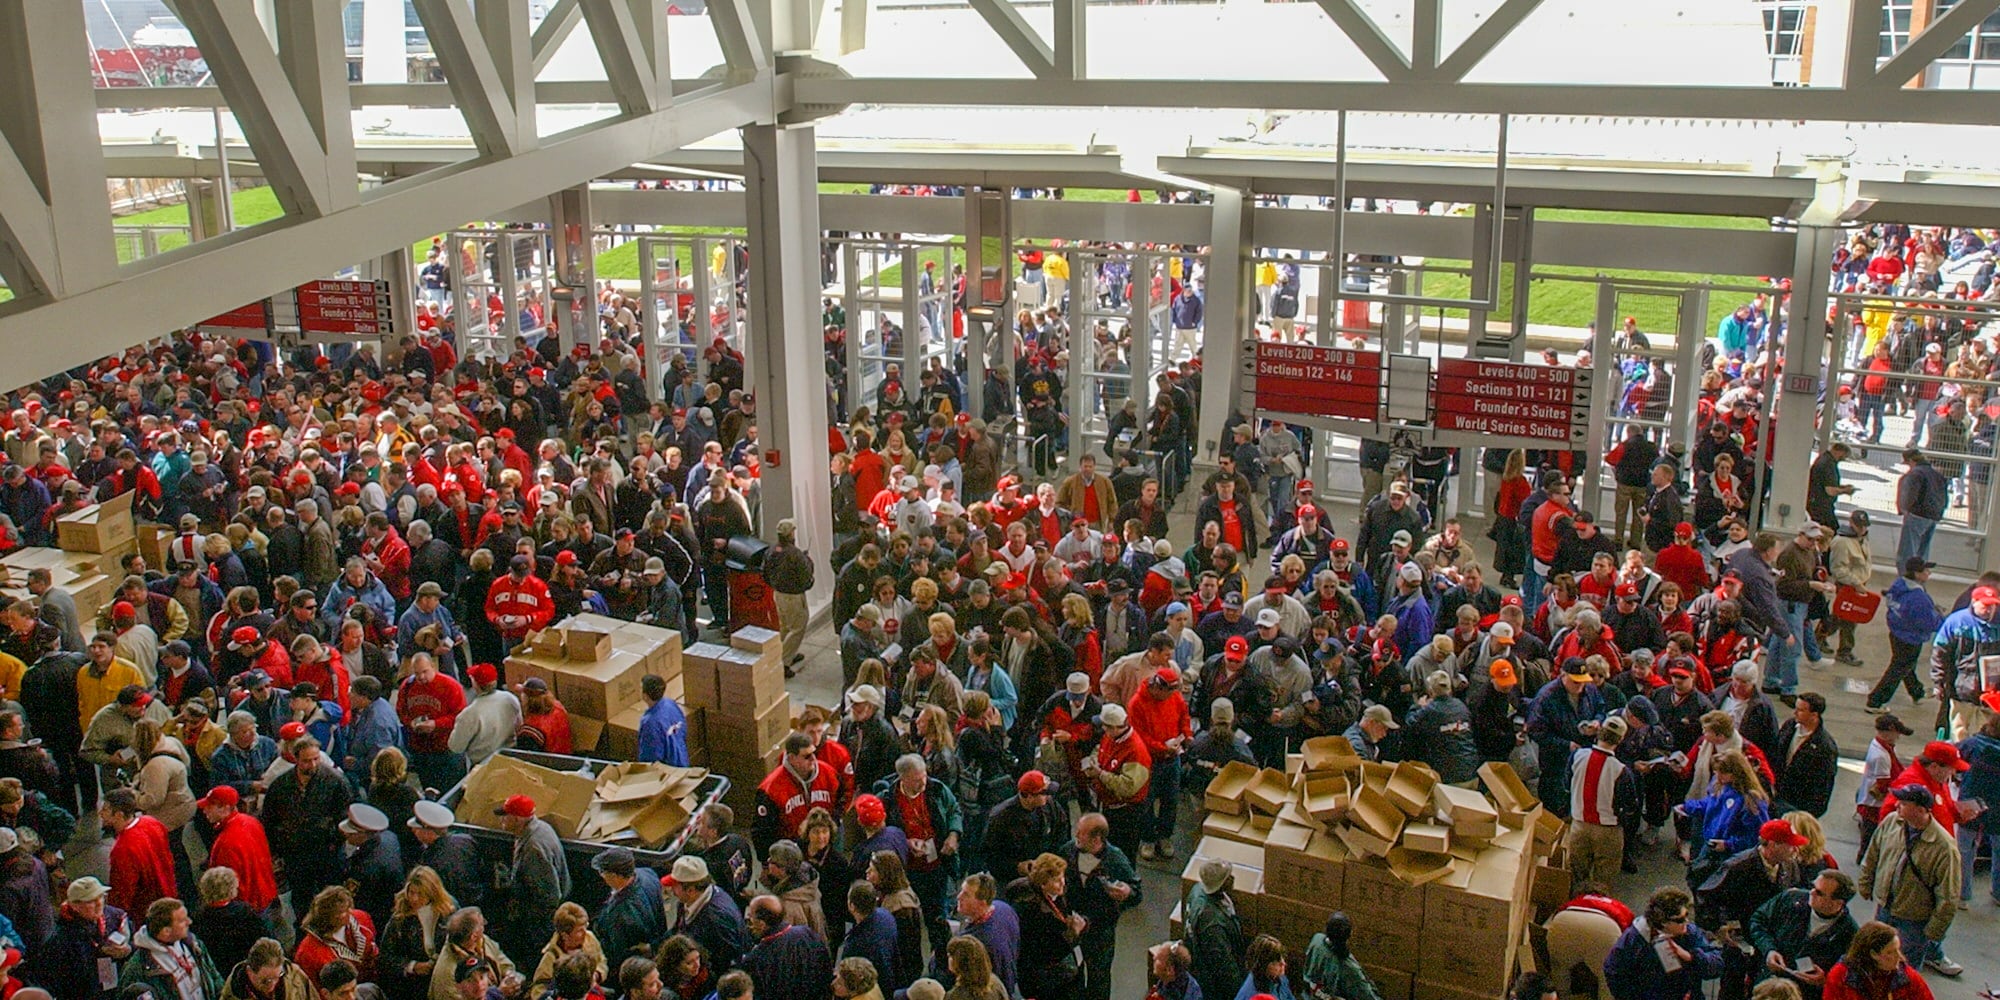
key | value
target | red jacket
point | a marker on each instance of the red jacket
(554, 727)
(240, 846)
(782, 803)
(313, 954)
(526, 599)
(1158, 720)
(1943, 806)
(142, 866)
(1904, 984)
(1542, 533)
(394, 554)
(1113, 756)
(441, 699)
(835, 754)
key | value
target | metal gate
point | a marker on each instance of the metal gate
(691, 289)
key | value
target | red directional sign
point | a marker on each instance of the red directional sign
(1509, 399)
(248, 317)
(355, 308)
(1318, 381)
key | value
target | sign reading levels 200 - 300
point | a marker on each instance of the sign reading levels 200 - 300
(1318, 381)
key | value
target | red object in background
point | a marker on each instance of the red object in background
(1852, 604)
(750, 601)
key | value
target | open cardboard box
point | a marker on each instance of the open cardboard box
(1330, 753)
(561, 797)
(1226, 789)
(1375, 774)
(1296, 815)
(1373, 813)
(1410, 787)
(1416, 867)
(585, 643)
(1469, 812)
(1362, 844)
(1430, 838)
(1268, 793)
(1324, 796)
(101, 527)
(1512, 799)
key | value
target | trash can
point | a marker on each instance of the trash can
(750, 599)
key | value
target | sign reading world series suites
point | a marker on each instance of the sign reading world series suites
(1318, 381)
(1511, 399)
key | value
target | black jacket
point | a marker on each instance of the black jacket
(374, 872)
(1805, 780)
(455, 857)
(1016, 834)
(1783, 925)
(1739, 887)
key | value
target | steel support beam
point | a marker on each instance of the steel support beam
(288, 141)
(1013, 29)
(1427, 97)
(1426, 37)
(1229, 314)
(743, 42)
(489, 67)
(1484, 39)
(853, 26)
(781, 192)
(1072, 48)
(55, 223)
(185, 286)
(554, 30)
(1367, 36)
(1937, 37)
(1796, 397)
(313, 50)
(631, 38)
(1864, 41)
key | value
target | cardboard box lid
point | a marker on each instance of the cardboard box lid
(1233, 780)
(561, 797)
(1296, 815)
(1234, 852)
(1373, 812)
(1359, 843)
(1506, 786)
(1462, 804)
(1410, 787)
(753, 638)
(1432, 837)
(1224, 825)
(1495, 873)
(97, 512)
(585, 732)
(1330, 753)
(1288, 836)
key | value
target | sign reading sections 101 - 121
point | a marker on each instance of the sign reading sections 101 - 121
(1318, 381)
(1509, 399)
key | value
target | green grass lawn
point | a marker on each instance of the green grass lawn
(1574, 303)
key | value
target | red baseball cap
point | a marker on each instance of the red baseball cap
(1941, 752)
(1778, 831)
(291, 731)
(483, 673)
(1339, 545)
(1236, 648)
(245, 635)
(1511, 601)
(1985, 595)
(870, 810)
(124, 609)
(220, 795)
(1167, 677)
(1305, 486)
(1032, 783)
(1684, 530)
(1628, 590)
(516, 805)
(566, 557)
(1307, 510)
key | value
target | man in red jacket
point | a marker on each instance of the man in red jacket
(428, 704)
(1681, 563)
(241, 847)
(1119, 773)
(799, 784)
(519, 602)
(142, 865)
(1159, 714)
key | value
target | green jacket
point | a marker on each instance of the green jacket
(1336, 977)
(1919, 882)
(148, 965)
(1215, 941)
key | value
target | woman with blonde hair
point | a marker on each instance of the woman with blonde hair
(972, 971)
(937, 741)
(1079, 632)
(1813, 857)
(1726, 821)
(572, 934)
(335, 930)
(415, 935)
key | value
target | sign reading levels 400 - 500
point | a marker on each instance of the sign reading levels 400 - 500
(1318, 381)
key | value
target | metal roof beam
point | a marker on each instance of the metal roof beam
(1367, 36)
(1013, 29)
(554, 30)
(631, 42)
(1072, 39)
(742, 41)
(184, 286)
(487, 62)
(55, 223)
(1424, 97)
(1484, 39)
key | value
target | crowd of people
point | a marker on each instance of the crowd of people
(1035, 671)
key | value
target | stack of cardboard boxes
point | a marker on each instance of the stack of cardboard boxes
(94, 541)
(1437, 879)
(739, 692)
(595, 665)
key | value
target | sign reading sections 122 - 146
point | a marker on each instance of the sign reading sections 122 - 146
(1318, 381)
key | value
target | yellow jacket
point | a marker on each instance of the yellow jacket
(94, 692)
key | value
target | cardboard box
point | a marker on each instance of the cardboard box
(1295, 764)
(1268, 793)
(547, 643)
(1223, 826)
(1467, 962)
(1291, 921)
(1324, 796)
(752, 735)
(1305, 865)
(585, 733)
(1393, 984)
(1428, 837)
(586, 644)
(1374, 814)
(602, 689)
(1369, 887)
(747, 683)
(1376, 774)
(1296, 815)
(1512, 799)
(100, 527)
(1362, 844)
(523, 665)
(699, 675)
(621, 734)
(1386, 945)
(1417, 868)
(1468, 812)
(1176, 924)
(1485, 911)
(753, 639)
(1410, 788)
(1226, 789)
(152, 541)
(1330, 753)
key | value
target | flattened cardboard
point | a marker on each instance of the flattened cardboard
(1430, 837)
(1236, 854)
(662, 817)
(1268, 793)
(1417, 868)
(585, 734)
(1226, 790)
(1362, 844)
(1410, 788)
(1330, 753)
(561, 797)
(1223, 826)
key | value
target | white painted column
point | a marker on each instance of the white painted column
(1228, 313)
(1797, 391)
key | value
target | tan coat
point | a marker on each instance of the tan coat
(1920, 883)
(1069, 495)
(1848, 561)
